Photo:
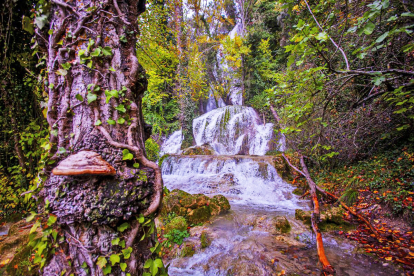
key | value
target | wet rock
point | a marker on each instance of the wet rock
(196, 208)
(187, 250)
(178, 223)
(219, 205)
(199, 150)
(330, 219)
(304, 216)
(282, 224)
(205, 240)
(199, 215)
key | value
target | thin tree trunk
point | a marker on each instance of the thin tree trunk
(91, 56)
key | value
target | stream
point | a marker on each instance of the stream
(244, 241)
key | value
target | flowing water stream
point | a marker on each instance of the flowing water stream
(244, 241)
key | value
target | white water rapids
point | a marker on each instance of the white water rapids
(244, 180)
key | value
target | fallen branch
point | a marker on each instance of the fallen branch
(327, 268)
(328, 194)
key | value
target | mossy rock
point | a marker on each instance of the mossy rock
(187, 250)
(205, 240)
(178, 223)
(331, 219)
(199, 215)
(282, 224)
(197, 208)
(304, 216)
(172, 202)
(219, 205)
(199, 150)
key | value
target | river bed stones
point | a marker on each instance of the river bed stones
(196, 208)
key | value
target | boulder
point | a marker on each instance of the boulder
(281, 224)
(199, 150)
(331, 219)
(196, 209)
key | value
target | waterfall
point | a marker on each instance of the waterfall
(233, 130)
(245, 180)
(173, 144)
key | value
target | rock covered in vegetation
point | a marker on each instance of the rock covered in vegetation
(178, 223)
(330, 219)
(199, 150)
(196, 208)
(273, 225)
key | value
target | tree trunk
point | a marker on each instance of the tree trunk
(95, 87)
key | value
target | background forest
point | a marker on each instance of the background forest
(336, 78)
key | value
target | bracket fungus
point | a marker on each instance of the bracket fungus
(84, 162)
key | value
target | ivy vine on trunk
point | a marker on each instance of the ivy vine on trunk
(95, 86)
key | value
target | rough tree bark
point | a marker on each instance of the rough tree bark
(91, 56)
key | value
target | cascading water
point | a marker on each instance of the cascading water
(173, 144)
(233, 130)
(245, 180)
(244, 241)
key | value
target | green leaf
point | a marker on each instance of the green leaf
(27, 25)
(369, 28)
(115, 241)
(101, 262)
(127, 252)
(322, 36)
(79, 97)
(31, 216)
(112, 69)
(121, 121)
(121, 108)
(122, 243)
(61, 150)
(90, 64)
(91, 97)
(96, 52)
(124, 225)
(52, 219)
(114, 259)
(136, 165)
(41, 21)
(107, 270)
(107, 51)
(51, 86)
(378, 80)
(126, 156)
(408, 14)
(382, 37)
(66, 66)
(110, 122)
(111, 93)
(98, 123)
(62, 72)
(123, 266)
(123, 39)
(35, 226)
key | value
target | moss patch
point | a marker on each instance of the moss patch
(196, 208)
(178, 223)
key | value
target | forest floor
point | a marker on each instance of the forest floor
(381, 189)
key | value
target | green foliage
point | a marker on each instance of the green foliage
(388, 176)
(152, 149)
(177, 236)
(349, 197)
